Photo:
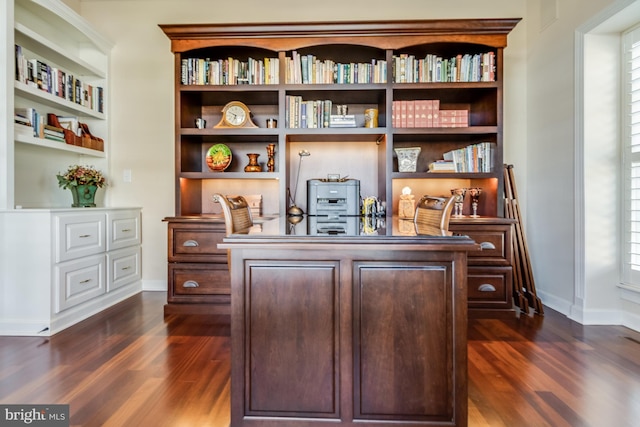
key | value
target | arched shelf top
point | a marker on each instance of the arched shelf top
(376, 34)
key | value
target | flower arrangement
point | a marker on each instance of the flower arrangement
(81, 175)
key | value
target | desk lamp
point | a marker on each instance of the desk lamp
(293, 209)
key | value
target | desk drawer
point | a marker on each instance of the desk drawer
(196, 243)
(495, 242)
(489, 287)
(198, 282)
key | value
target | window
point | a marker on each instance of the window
(631, 156)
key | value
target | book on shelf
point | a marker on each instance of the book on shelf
(342, 121)
(32, 116)
(478, 67)
(442, 166)
(472, 158)
(309, 69)
(54, 138)
(229, 71)
(22, 120)
(70, 123)
(426, 113)
(454, 118)
(306, 114)
(51, 79)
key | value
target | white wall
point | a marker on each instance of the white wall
(142, 86)
(573, 219)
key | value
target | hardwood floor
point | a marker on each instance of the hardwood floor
(133, 366)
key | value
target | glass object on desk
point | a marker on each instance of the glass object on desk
(474, 193)
(458, 194)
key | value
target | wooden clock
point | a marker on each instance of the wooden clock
(236, 115)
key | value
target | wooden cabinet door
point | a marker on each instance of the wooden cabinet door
(403, 342)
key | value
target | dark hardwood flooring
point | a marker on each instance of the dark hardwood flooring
(131, 366)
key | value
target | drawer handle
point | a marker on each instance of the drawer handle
(84, 236)
(190, 284)
(126, 268)
(82, 282)
(487, 245)
(190, 243)
(486, 288)
(126, 230)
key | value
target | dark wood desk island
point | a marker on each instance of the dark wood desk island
(349, 330)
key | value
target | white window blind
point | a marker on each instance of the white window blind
(631, 157)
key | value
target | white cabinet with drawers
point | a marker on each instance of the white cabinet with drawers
(60, 266)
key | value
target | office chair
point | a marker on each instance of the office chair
(432, 215)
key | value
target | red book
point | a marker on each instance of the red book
(411, 121)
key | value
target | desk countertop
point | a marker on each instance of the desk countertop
(348, 230)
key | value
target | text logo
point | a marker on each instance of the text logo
(34, 415)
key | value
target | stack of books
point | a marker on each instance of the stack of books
(342, 121)
(53, 133)
(442, 166)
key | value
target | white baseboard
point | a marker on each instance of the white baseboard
(154, 285)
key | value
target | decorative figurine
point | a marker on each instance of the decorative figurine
(407, 204)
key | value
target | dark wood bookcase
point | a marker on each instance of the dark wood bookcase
(366, 153)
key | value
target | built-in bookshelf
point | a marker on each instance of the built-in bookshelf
(58, 66)
(59, 264)
(448, 73)
(331, 80)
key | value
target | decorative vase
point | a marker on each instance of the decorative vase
(407, 158)
(271, 164)
(253, 165)
(83, 196)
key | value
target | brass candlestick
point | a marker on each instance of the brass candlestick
(271, 163)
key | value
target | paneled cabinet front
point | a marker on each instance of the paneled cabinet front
(368, 341)
(198, 279)
(95, 253)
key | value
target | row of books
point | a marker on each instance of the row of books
(230, 71)
(32, 123)
(51, 79)
(478, 67)
(472, 158)
(307, 114)
(426, 113)
(308, 69)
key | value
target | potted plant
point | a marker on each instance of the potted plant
(83, 181)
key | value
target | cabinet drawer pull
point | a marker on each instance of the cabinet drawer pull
(190, 243)
(487, 245)
(84, 236)
(82, 282)
(126, 268)
(126, 230)
(486, 287)
(190, 284)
